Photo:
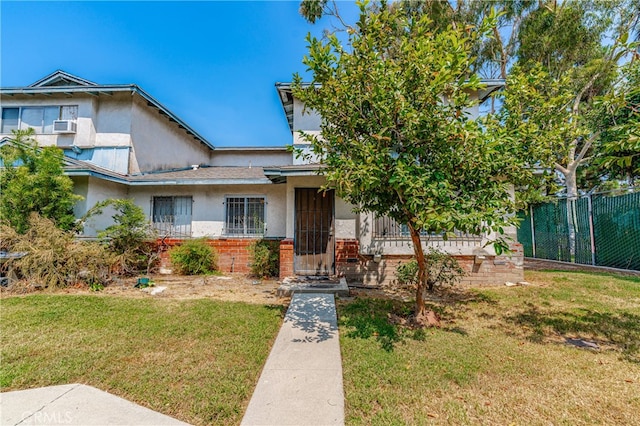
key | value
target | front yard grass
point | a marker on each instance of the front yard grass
(502, 356)
(196, 360)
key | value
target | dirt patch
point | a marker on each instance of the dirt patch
(231, 288)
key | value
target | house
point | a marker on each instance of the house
(120, 142)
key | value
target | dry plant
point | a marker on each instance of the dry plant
(54, 258)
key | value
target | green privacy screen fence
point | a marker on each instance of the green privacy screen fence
(605, 229)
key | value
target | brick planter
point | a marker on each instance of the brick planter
(233, 253)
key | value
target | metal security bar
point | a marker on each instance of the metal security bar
(385, 227)
(606, 230)
(244, 216)
(172, 216)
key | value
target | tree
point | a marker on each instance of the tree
(569, 57)
(494, 54)
(566, 68)
(620, 151)
(130, 237)
(33, 180)
(396, 136)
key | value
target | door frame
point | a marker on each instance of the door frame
(331, 270)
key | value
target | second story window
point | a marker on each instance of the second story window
(40, 118)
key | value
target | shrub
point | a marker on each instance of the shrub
(54, 258)
(443, 269)
(265, 258)
(194, 257)
(130, 238)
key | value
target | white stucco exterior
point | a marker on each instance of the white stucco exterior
(120, 119)
(159, 144)
(93, 191)
(248, 157)
(209, 210)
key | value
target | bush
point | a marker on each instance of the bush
(130, 238)
(194, 257)
(54, 258)
(443, 268)
(265, 258)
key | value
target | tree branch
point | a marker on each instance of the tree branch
(561, 169)
(576, 102)
(587, 145)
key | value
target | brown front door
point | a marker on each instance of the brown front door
(314, 244)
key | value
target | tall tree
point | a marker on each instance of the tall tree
(572, 53)
(32, 180)
(569, 57)
(397, 138)
(494, 54)
(620, 143)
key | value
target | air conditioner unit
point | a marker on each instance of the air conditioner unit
(64, 126)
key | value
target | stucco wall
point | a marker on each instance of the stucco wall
(85, 133)
(208, 208)
(159, 144)
(122, 120)
(113, 120)
(100, 190)
(250, 157)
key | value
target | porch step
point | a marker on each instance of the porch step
(323, 285)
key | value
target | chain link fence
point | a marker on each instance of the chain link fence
(598, 229)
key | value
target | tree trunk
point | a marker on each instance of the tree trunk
(422, 316)
(572, 193)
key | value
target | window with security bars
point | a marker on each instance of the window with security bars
(385, 227)
(245, 215)
(172, 216)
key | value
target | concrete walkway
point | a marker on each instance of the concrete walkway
(75, 405)
(301, 383)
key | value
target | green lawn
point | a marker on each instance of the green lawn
(501, 356)
(197, 360)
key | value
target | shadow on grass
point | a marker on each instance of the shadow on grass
(624, 276)
(389, 321)
(620, 331)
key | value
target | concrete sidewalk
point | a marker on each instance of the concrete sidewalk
(301, 383)
(75, 405)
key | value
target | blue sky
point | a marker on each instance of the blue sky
(214, 64)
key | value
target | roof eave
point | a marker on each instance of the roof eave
(184, 182)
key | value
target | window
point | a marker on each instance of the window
(172, 216)
(385, 227)
(245, 215)
(39, 118)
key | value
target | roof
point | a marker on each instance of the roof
(282, 148)
(286, 95)
(199, 176)
(60, 82)
(204, 176)
(62, 78)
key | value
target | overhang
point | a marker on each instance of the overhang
(280, 174)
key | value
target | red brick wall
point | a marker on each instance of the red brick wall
(233, 256)
(233, 253)
(286, 258)
(348, 258)
(494, 270)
